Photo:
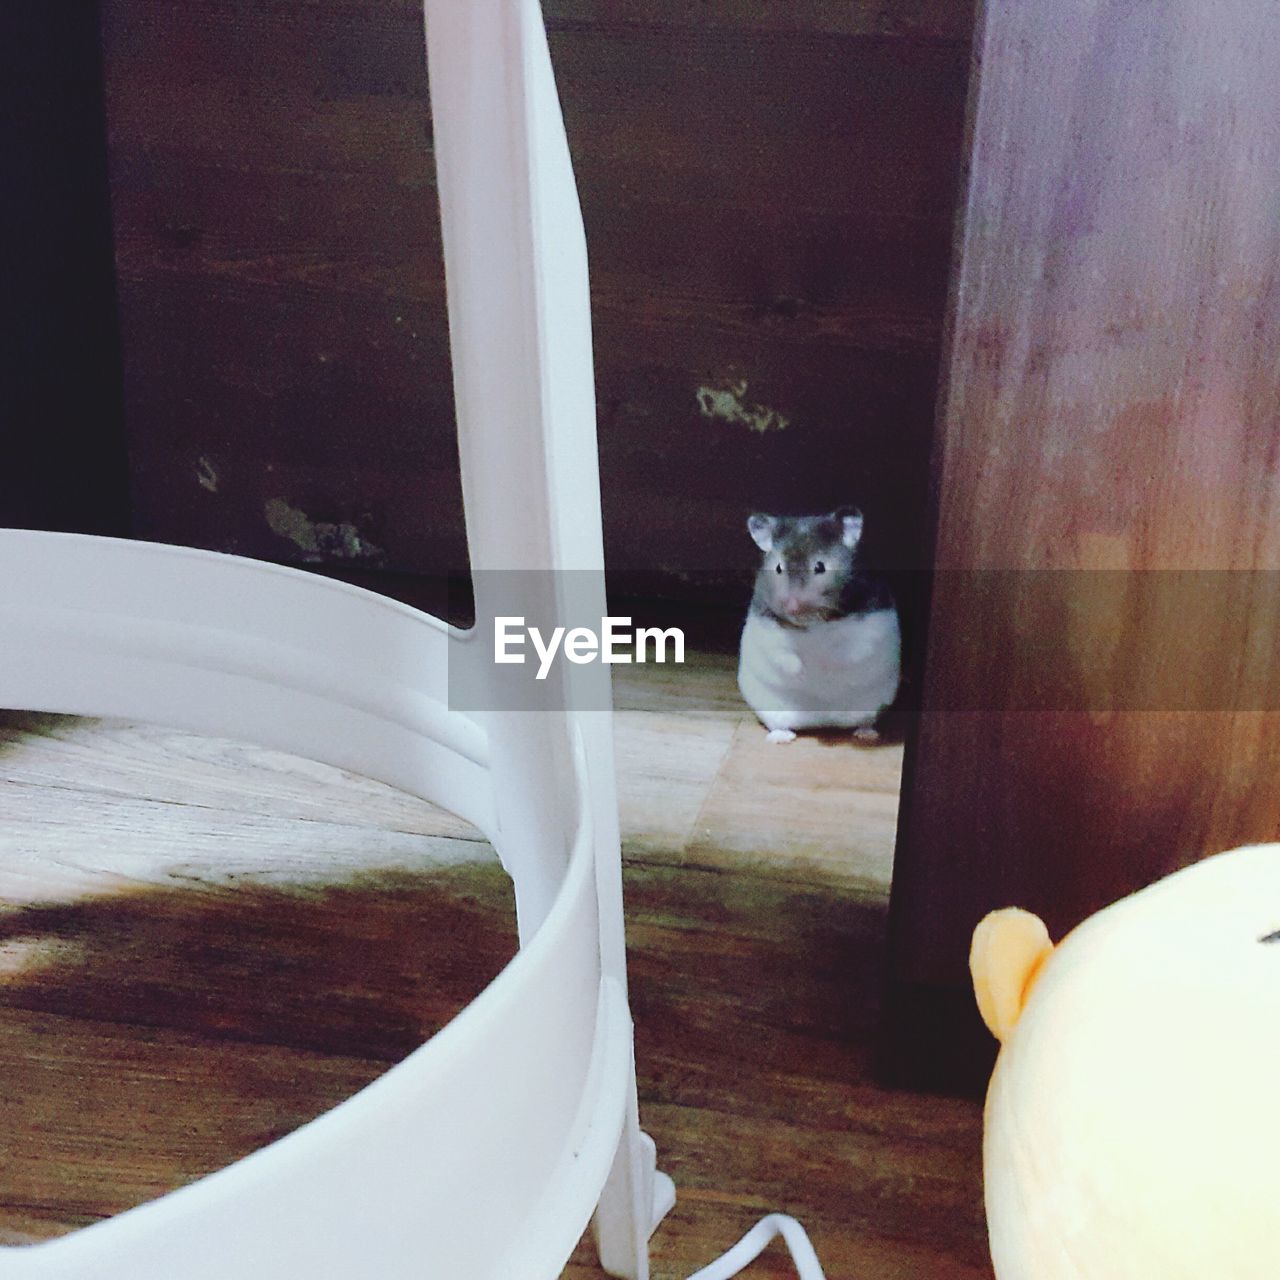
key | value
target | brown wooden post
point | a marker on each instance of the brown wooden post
(1098, 700)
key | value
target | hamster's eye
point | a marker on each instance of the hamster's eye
(1271, 937)
(819, 567)
(777, 568)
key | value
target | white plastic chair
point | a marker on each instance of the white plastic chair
(486, 1152)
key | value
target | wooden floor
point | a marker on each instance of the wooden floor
(203, 944)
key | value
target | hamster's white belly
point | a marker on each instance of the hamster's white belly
(839, 674)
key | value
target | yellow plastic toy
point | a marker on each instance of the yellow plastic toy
(1133, 1119)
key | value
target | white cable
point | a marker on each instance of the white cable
(754, 1243)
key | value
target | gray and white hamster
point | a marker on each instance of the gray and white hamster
(821, 647)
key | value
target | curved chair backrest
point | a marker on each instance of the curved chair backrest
(485, 1153)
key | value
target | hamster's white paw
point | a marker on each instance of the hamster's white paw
(865, 734)
(789, 664)
(780, 735)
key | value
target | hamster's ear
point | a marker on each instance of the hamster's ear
(761, 529)
(850, 521)
(1009, 949)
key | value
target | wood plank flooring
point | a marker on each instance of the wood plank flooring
(202, 944)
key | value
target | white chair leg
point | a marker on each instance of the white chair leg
(635, 1199)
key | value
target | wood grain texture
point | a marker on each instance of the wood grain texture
(1099, 701)
(825, 810)
(698, 785)
(160, 1015)
(767, 190)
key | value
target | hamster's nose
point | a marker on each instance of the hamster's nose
(791, 603)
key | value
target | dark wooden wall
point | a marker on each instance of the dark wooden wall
(1101, 697)
(768, 191)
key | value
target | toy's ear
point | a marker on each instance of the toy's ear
(1009, 949)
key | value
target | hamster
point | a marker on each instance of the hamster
(821, 647)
